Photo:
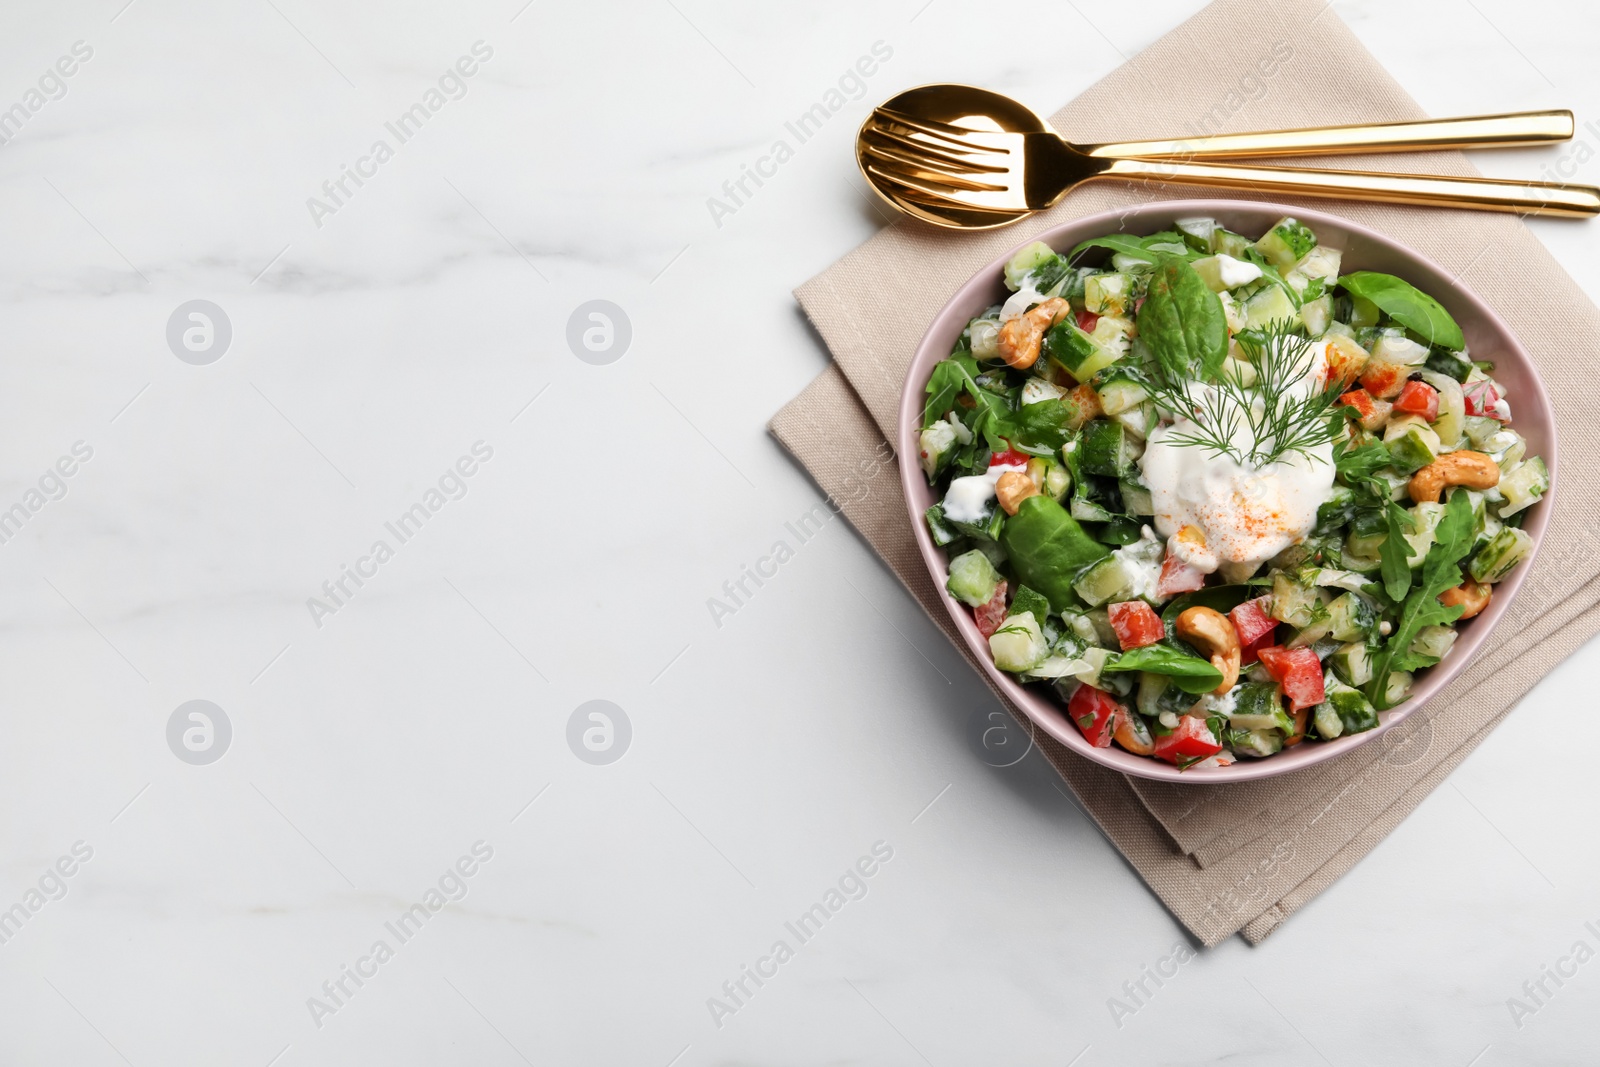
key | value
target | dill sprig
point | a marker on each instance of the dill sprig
(1279, 422)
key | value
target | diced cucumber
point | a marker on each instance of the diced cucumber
(1327, 721)
(1037, 391)
(973, 579)
(1083, 355)
(1454, 365)
(1316, 314)
(1507, 448)
(941, 532)
(1136, 499)
(934, 444)
(1363, 312)
(1314, 631)
(1412, 443)
(1292, 602)
(1266, 306)
(1525, 484)
(1395, 347)
(1107, 294)
(1085, 510)
(1398, 484)
(1504, 551)
(1352, 663)
(1057, 480)
(1399, 687)
(1286, 243)
(1240, 370)
(1019, 644)
(1480, 428)
(1229, 243)
(1425, 520)
(984, 334)
(1368, 530)
(1451, 422)
(1108, 579)
(1356, 713)
(1119, 393)
(1231, 311)
(1025, 261)
(1351, 618)
(1259, 706)
(1151, 686)
(1197, 232)
(1105, 448)
(1434, 641)
(1138, 420)
(1257, 742)
(1321, 262)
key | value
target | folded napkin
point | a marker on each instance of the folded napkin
(1240, 857)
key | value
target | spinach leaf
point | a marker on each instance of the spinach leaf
(1407, 305)
(1441, 570)
(1041, 425)
(1026, 599)
(1048, 549)
(1182, 322)
(1189, 673)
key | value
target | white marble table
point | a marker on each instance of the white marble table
(400, 738)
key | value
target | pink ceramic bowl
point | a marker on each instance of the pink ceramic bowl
(1487, 338)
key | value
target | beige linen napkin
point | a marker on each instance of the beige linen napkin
(1235, 857)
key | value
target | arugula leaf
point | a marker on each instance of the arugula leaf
(1359, 466)
(1441, 570)
(944, 384)
(959, 374)
(1026, 599)
(1314, 288)
(1407, 305)
(1182, 322)
(1127, 244)
(1189, 673)
(1394, 553)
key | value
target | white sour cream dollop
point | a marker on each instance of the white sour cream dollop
(967, 499)
(1247, 515)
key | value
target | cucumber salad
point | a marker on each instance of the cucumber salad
(1218, 496)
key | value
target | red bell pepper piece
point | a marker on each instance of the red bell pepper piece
(1136, 624)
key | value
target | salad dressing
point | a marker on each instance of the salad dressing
(1248, 515)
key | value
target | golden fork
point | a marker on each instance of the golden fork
(923, 151)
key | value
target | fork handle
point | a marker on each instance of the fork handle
(1478, 194)
(1479, 131)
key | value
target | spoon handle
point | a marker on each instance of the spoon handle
(1478, 194)
(1479, 131)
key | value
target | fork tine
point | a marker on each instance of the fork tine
(968, 162)
(901, 171)
(944, 204)
(994, 199)
(932, 167)
(934, 126)
(954, 135)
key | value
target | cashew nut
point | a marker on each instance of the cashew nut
(1130, 733)
(1213, 634)
(1012, 489)
(1019, 339)
(1471, 469)
(1472, 596)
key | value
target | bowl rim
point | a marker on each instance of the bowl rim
(1533, 407)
